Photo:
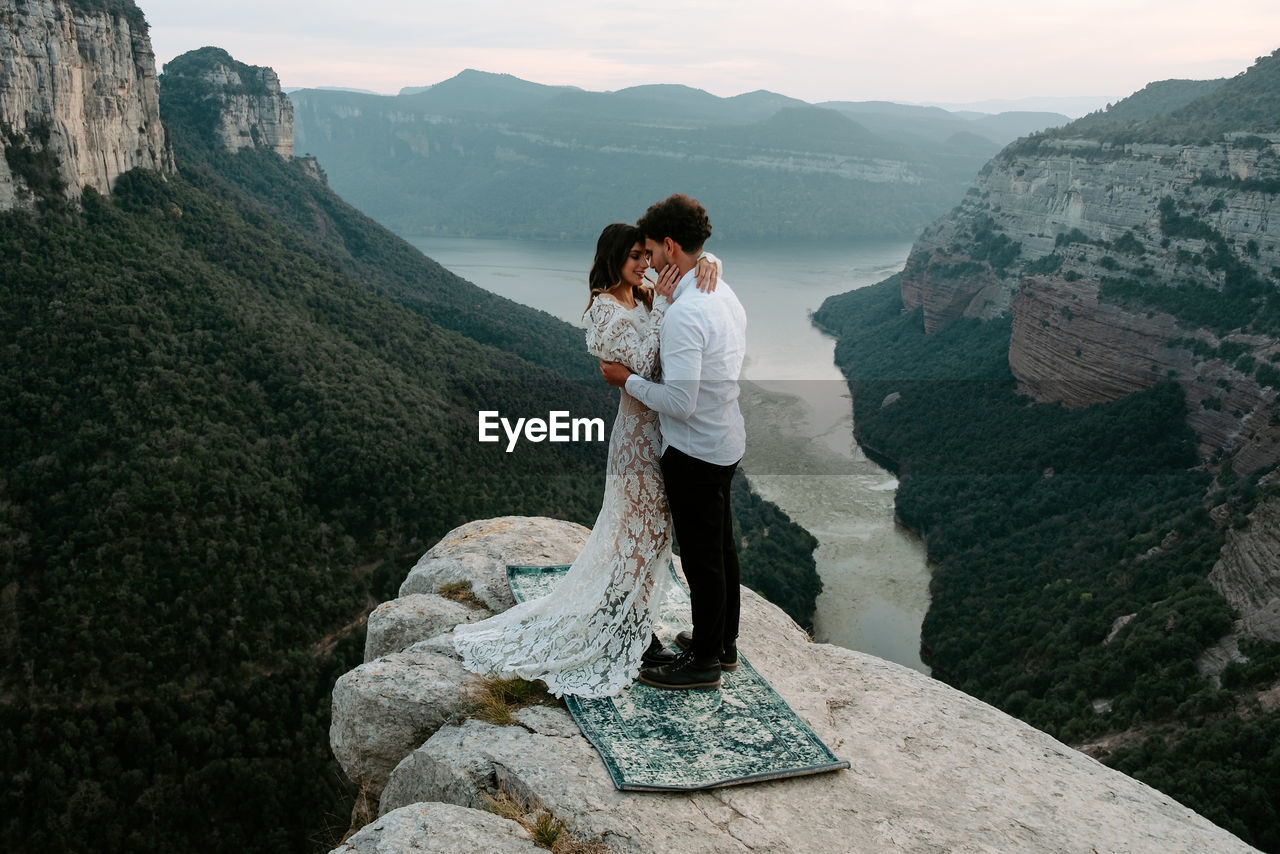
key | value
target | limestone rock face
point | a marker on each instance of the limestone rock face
(255, 121)
(947, 284)
(933, 769)
(382, 710)
(559, 771)
(412, 681)
(1032, 197)
(249, 111)
(1068, 346)
(1063, 234)
(440, 829)
(81, 86)
(400, 623)
(1247, 573)
(1071, 347)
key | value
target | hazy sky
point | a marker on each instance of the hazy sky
(816, 50)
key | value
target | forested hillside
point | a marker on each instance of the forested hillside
(1072, 549)
(1191, 112)
(216, 447)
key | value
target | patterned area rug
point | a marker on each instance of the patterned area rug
(656, 740)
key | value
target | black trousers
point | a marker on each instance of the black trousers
(698, 494)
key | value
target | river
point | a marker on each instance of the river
(799, 416)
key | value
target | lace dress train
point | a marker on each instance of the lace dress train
(586, 637)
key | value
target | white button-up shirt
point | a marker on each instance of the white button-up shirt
(702, 343)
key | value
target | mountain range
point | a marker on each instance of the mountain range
(493, 155)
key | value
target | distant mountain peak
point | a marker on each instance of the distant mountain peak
(668, 92)
(350, 89)
(1070, 105)
(486, 91)
(468, 73)
(1154, 99)
(1191, 111)
(816, 119)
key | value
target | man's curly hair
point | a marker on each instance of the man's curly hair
(679, 217)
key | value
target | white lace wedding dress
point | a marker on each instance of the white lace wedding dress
(586, 637)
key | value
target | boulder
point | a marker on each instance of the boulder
(479, 552)
(400, 623)
(545, 763)
(450, 768)
(439, 829)
(385, 708)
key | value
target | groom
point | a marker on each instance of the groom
(702, 343)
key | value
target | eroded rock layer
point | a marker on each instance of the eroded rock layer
(1069, 346)
(1124, 265)
(1247, 573)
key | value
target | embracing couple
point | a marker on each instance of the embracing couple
(675, 350)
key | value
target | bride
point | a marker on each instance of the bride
(590, 636)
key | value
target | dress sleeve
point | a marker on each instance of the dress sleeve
(617, 335)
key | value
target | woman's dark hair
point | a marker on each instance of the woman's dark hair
(611, 253)
(679, 217)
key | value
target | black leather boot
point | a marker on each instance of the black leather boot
(728, 654)
(686, 672)
(656, 654)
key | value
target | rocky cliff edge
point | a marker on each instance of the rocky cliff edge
(933, 769)
(79, 102)
(238, 105)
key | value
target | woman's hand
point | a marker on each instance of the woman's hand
(708, 274)
(667, 281)
(615, 374)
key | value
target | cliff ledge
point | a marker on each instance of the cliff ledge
(933, 769)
